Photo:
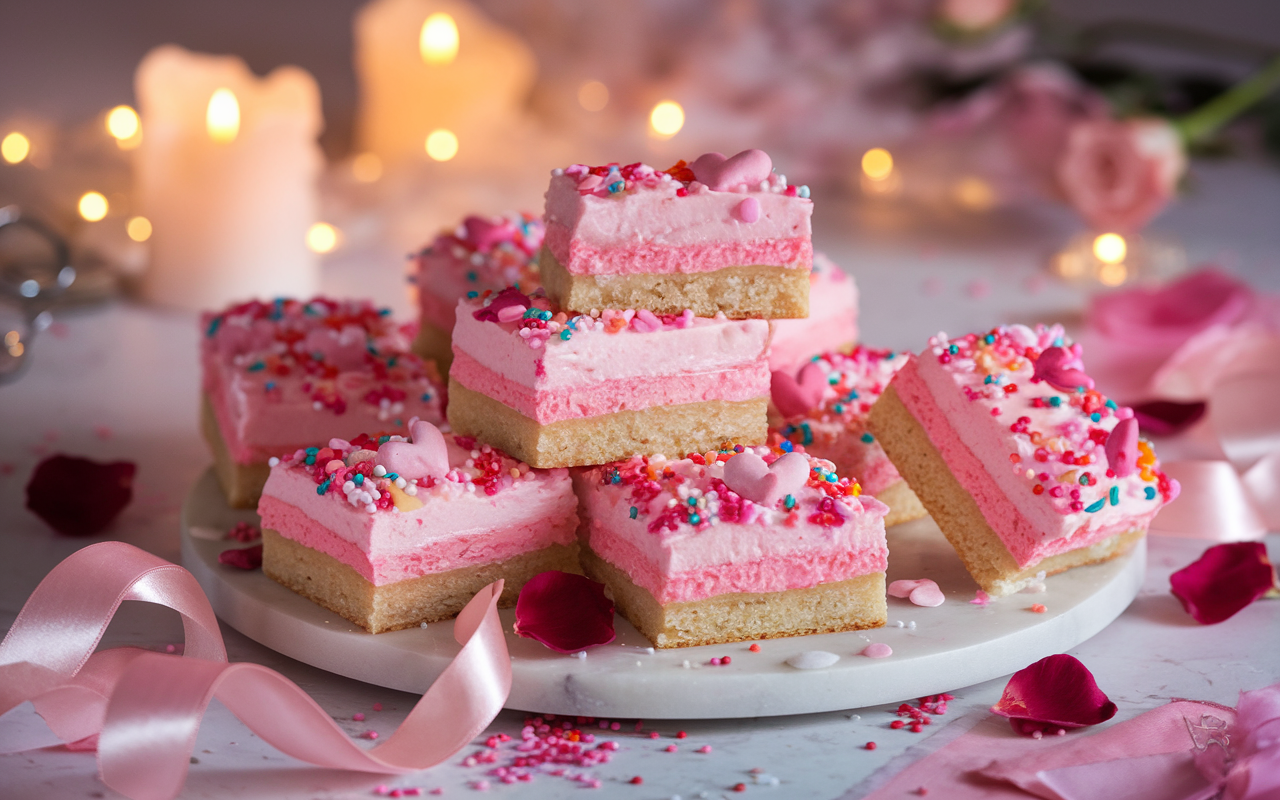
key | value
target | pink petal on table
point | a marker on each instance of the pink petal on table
(242, 557)
(79, 497)
(1225, 579)
(1055, 692)
(922, 592)
(566, 612)
(1165, 417)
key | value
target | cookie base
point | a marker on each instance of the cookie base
(851, 605)
(744, 292)
(673, 430)
(241, 483)
(328, 582)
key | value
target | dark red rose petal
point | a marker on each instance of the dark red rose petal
(1055, 692)
(1165, 417)
(242, 557)
(1225, 579)
(79, 497)
(566, 612)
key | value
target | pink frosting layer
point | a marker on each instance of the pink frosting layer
(583, 366)
(656, 223)
(679, 557)
(1027, 540)
(451, 530)
(257, 423)
(584, 258)
(832, 322)
(545, 406)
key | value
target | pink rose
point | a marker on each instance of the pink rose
(1041, 105)
(1120, 173)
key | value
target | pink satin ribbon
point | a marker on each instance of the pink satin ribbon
(146, 707)
(1236, 498)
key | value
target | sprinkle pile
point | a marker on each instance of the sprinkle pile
(286, 346)
(854, 381)
(346, 470)
(609, 180)
(1057, 432)
(497, 253)
(690, 492)
(540, 323)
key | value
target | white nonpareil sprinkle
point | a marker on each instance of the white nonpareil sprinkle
(379, 471)
(813, 659)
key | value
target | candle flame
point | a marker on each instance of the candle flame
(438, 41)
(223, 116)
(15, 147)
(877, 163)
(93, 206)
(1110, 248)
(442, 145)
(667, 118)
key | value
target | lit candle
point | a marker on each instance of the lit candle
(226, 176)
(437, 79)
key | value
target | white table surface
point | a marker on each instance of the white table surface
(120, 382)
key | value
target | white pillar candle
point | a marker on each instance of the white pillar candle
(414, 83)
(227, 176)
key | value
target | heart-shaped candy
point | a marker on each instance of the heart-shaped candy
(801, 394)
(484, 233)
(426, 456)
(766, 484)
(1061, 369)
(721, 174)
(1122, 447)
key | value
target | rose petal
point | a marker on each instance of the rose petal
(79, 497)
(922, 592)
(1055, 692)
(566, 612)
(1165, 417)
(1225, 579)
(242, 557)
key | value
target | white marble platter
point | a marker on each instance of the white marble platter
(935, 650)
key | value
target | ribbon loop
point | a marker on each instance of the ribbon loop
(146, 708)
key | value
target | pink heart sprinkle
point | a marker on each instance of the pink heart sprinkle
(484, 234)
(922, 592)
(426, 456)
(766, 484)
(511, 313)
(1122, 447)
(721, 174)
(877, 650)
(1060, 368)
(749, 210)
(801, 394)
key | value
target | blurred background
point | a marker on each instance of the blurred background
(921, 124)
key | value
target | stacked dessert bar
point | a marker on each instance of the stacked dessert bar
(645, 365)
